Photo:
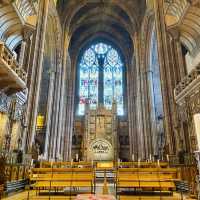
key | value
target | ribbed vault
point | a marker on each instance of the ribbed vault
(115, 21)
(13, 21)
(183, 16)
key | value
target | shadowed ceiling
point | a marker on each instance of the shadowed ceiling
(113, 20)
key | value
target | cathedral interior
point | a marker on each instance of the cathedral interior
(100, 99)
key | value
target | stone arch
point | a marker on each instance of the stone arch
(183, 16)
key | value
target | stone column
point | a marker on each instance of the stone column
(49, 114)
(37, 66)
(22, 53)
(181, 64)
(150, 110)
(69, 82)
(138, 136)
(166, 73)
(129, 99)
(54, 118)
(70, 124)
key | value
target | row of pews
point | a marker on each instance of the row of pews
(145, 181)
(138, 179)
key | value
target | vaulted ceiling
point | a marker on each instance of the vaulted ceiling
(113, 20)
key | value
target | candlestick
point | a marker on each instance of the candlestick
(118, 162)
(139, 162)
(167, 158)
(133, 157)
(32, 163)
(77, 157)
(72, 162)
(158, 162)
(92, 163)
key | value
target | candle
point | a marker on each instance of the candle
(77, 157)
(139, 162)
(167, 158)
(150, 158)
(133, 157)
(158, 162)
(32, 163)
(92, 163)
(118, 162)
(72, 162)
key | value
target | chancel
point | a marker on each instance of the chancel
(100, 140)
(99, 99)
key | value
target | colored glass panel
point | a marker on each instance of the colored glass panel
(98, 57)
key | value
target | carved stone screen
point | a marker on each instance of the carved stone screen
(100, 142)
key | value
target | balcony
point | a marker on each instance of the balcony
(12, 77)
(24, 10)
(188, 86)
(17, 18)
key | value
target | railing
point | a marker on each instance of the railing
(17, 172)
(186, 159)
(10, 60)
(194, 74)
(188, 170)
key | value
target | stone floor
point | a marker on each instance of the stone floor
(99, 190)
(32, 196)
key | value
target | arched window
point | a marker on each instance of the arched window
(101, 78)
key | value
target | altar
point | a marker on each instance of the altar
(100, 137)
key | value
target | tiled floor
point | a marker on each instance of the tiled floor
(99, 190)
(33, 196)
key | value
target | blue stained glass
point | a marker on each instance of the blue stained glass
(98, 56)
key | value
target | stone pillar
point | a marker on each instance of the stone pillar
(22, 53)
(49, 114)
(70, 70)
(37, 66)
(165, 62)
(130, 101)
(150, 110)
(138, 137)
(178, 55)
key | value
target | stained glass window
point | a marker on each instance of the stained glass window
(101, 78)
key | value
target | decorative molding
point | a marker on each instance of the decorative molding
(188, 87)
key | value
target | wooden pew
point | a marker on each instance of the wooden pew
(143, 164)
(47, 164)
(147, 179)
(60, 178)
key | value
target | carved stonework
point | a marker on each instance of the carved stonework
(195, 103)
(100, 134)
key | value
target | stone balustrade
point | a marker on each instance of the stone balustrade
(12, 75)
(188, 83)
(10, 60)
